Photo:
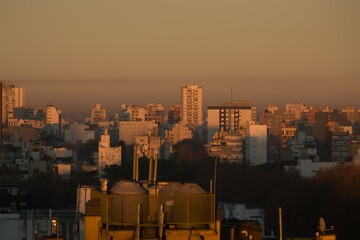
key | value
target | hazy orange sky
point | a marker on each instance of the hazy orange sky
(75, 53)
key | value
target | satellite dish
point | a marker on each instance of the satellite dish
(322, 226)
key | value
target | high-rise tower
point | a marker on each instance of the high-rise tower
(191, 111)
(12, 97)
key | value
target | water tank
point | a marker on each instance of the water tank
(186, 205)
(127, 187)
(124, 200)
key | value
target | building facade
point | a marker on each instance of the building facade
(230, 117)
(98, 114)
(191, 111)
(256, 144)
(12, 97)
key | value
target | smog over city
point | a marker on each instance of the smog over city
(179, 120)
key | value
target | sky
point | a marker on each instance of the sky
(76, 53)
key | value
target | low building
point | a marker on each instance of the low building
(78, 133)
(128, 130)
(108, 155)
(227, 147)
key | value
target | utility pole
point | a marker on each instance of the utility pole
(280, 224)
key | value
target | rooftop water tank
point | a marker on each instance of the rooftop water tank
(127, 187)
(125, 198)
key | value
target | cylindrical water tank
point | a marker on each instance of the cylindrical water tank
(125, 198)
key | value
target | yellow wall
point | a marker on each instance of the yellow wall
(91, 226)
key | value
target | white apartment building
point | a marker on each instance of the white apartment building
(78, 133)
(227, 147)
(179, 132)
(98, 114)
(191, 111)
(256, 144)
(108, 155)
(128, 130)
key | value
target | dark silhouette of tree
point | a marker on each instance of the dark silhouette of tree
(193, 162)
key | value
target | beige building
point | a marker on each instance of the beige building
(128, 130)
(12, 97)
(299, 110)
(191, 111)
(98, 114)
(108, 155)
(179, 132)
(78, 133)
(227, 147)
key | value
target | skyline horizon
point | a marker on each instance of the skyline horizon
(112, 106)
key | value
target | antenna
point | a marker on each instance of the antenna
(231, 97)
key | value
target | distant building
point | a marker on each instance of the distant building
(179, 132)
(191, 111)
(340, 146)
(53, 121)
(227, 147)
(136, 112)
(302, 145)
(352, 114)
(174, 113)
(256, 144)
(128, 130)
(299, 110)
(98, 114)
(108, 155)
(287, 134)
(239, 211)
(155, 112)
(308, 168)
(78, 133)
(12, 97)
(276, 120)
(231, 117)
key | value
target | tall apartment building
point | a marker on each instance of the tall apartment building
(191, 111)
(12, 97)
(231, 117)
(98, 114)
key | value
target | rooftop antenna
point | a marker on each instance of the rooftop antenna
(231, 97)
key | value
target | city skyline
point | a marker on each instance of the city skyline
(76, 54)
